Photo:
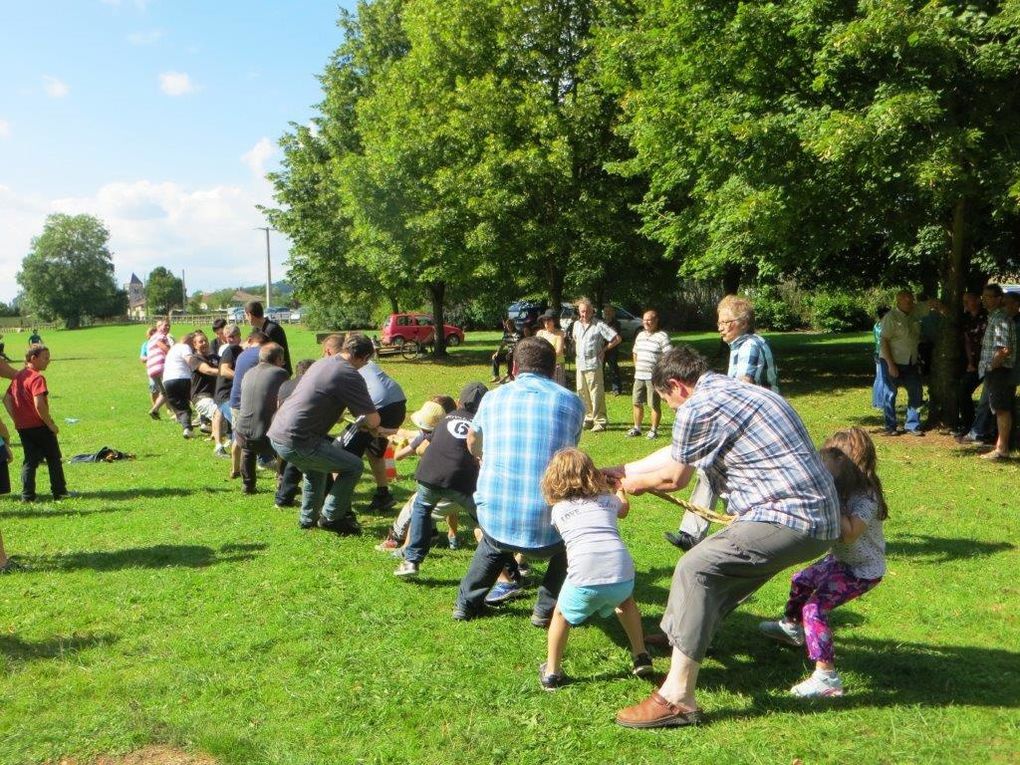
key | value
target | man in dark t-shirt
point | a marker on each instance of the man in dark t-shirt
(289, 483)
(300, 432)
(447, 470)
(254, 313)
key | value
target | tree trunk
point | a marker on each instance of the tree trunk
(394, 305)
(437, 290)
(942, 407)
(556, 276)
(731, 279)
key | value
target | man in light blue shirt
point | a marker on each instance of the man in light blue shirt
(515, 433)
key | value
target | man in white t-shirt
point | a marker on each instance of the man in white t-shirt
(592, 338)
(650, 343)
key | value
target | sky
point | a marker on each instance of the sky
(161, 117)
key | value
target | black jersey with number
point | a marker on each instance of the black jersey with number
(447, 463)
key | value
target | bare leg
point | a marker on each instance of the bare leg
(629, 616)
(679, 685)
(559, 630)
(3, 552)
(158, 402)
(656, 415)
(451, 523)
(639, 416)
(1004, 421)
(217, 428)
(378, 466)
(235, 459)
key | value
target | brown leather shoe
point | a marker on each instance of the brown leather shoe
(656, 712)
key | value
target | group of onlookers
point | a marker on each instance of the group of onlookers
(990, 325)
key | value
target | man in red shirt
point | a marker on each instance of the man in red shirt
(28, 405)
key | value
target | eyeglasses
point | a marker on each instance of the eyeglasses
(727, 322)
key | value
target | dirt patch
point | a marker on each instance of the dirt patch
(150, 755)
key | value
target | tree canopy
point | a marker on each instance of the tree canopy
(163, 291)
(68, 273)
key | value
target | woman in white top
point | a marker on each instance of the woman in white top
(180, 362)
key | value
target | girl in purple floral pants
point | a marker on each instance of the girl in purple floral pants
(855, 565)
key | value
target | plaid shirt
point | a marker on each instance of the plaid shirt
(522, 425)
(751, 355)
(1000, 333)
(751, 443)
(589, 342)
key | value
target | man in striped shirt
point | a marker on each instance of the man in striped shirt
(649, 345)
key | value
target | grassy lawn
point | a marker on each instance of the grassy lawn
(163, 606)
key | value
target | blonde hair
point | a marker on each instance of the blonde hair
(856, 444)
(571, 474)
(740, 308)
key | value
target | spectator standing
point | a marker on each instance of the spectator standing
(649, 345)
(553, 335)
(255, 316)
(35, 338)
(259, 398)
(878, 386)
(27, 401)
(995, 367)
(505, 351)
(612, 365)
(592, 338)
(751, 362)
(972, 327)
(901, 333)
(300, 432)
(515, 433)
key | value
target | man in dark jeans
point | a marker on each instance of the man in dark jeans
(972, 326)
(518, 428)
(288, 480)
(27, 401)
(259, 392)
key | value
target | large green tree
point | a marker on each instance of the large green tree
(834, 142)
(163, 291)
(68, 273)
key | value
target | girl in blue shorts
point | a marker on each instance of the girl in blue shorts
(600, 571)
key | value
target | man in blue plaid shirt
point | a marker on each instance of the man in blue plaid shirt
(750, 442)
(515, 433)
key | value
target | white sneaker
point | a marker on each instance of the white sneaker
(819, 685)
(783, 631)
(406, 570)
(187, 433)
(633, 432)
(652, 434)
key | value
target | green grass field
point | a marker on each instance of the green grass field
(162, 606)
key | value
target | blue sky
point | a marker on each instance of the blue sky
(159, 116)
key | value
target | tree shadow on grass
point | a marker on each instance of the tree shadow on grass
(929, 549)
(156, 556)
(14, 648)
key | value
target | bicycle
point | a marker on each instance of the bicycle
(412, 350)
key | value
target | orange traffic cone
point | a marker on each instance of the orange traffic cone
(391, 463)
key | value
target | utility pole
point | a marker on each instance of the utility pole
(269, 267)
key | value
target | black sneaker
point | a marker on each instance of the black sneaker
(382, 502)
(347, 526)
(542, 622)
(305, 525)
(681, 539)
(551, 682)
(643, 665)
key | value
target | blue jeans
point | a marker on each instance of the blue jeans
(420, 535)
(317, 463)
(491, 557)
(984, 426)
(878, 387)
(909, 378)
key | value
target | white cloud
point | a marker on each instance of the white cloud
(55, 88)
(5, 129)
(146, 37)
(258, 155)
(209, 232)
(176, 83)
(140, 5)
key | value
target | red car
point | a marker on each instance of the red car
(401, 327)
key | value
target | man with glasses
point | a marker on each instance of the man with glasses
(751, 361)
(592, 340)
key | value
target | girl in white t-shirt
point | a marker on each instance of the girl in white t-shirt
(855, 565)
(600, 571)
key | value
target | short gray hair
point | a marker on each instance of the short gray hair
(271, 353)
